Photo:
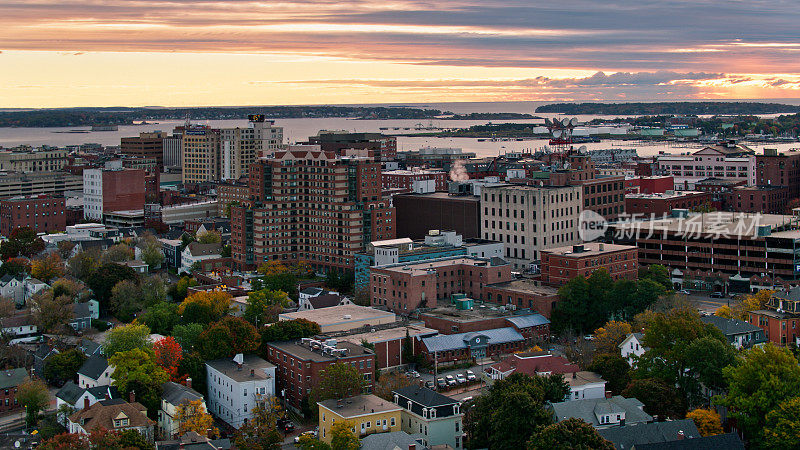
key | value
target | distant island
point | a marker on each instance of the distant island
(662, 108)
(78, 117)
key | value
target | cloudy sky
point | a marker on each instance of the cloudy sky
(243, 52)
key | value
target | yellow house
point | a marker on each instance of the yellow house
(368, 414)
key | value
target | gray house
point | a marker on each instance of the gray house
(739, 333)
(603, 412)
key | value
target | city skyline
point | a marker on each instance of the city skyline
(310, 52)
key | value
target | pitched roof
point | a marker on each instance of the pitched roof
(70, 392)
(390, 441)
(528, 320)
(495, 336)
(588, 409)
(175, 394)
(313, 290)
(90, 347)
(12, 377)
(100, 392)
(19, 320)
(325, 300)
(102, 414)
(534, 364)
(729, 441)
(730, 327)
(626, 437)
(81, 311)
(639, 337)
(791, 295)
(198, 249)
(93, 367)
(424, 396)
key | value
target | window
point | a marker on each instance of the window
(392, 422)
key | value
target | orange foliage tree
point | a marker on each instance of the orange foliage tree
(169, 355)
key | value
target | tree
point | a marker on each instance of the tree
(62, 367)
(390, 382)
(309, 443)
(782, 428)
(125, 338)
(263, 306)
(192, 416)
(193, 366)
(187, 335)
(287, 330)
(152, 254)
(153, 290)
(227, 337)
(83, 265)
(33, 395)
(168, 354)
(608, 337)
(126, 300)
(103, 280)
(21, 242)
(209, 237)
(339, 381)
(15, 266)
(706, 420)
(659, 398)
(569, 434)
(657, 273)
(116, 254)
(132, 439)
(724, 311)
(204, 307)
(161, 318)
(51, 313)
(47, 267)
(613, 368)
(276, 277)
(260, 432)
(66, 441)
(343, 437)
(136, 370)
(65, 249)
(706, 357)
(179, 290)
(766, 376)
(75, 290)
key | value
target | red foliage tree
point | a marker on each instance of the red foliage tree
(169, 355)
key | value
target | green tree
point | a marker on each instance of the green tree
(103, 280)
(287, 330)
(276, 277)
(343, 437)
(657, 273)
(126, 300)
(152, 254)
(260, 431)
(209, 237)
(229, 336)
(614, 369)
(161, 318)
(766, 377)
(153, 290)
(180, 290)
(116, 254)
(262, 306)
(125, 338)
(309, 443)
(21, 242)
(568, 435)
(187, 335)
(194, 366)
(62, 367)
(83, 265)
(130, 439)
(33, 395)
(782, 428)
(339, 381)
(659, 398)
(136, 370)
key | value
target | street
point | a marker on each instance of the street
(708, 305)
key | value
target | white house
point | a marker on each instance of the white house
(78, 398)
(95, 372)
(13, 287)
(585, 385)
(315, 298)
(20, 328)
(32, 286)
(172, 396)
(234, 386)
(196, 252)
(632, 347)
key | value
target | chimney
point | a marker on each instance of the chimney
(210, 433)
(252, 372)
(574, 375)
(239, 366)
(412, 447)
(622, 422)
(189, 382)
(608, 394)
(108, 396)
(85, 402)
(132, 397)
(681, 435)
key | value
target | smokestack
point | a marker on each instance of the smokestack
(608, 394)
(239, 366)
(412, 447)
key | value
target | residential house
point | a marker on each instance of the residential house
(437, 418)
(20, 328)
(368, 413)
(78, 398)
(728, 441)
(630, 436)
(172, 251)
(9, 380)
(739, 333)
(234, 386)
(40, 355)
(95, 371)
(114, 415)
(194, 441)
(632, 347)
(196, 252)
(90, 347)
(173, 395)
(324, 299)
(82, 316)
(392, 440)
(13, 287)
(137, 265)
(602, 412)
(582, 384)
(32, 286)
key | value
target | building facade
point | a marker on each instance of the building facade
(27, 160)
(146, 145)
(559, 265)
(419, 213)
(367, 413)
(726, 160)
(235, 386)
(41, 213)
(437, 418)
(660, 204)
(112, 190)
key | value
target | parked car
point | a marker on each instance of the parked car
(311, 433)
(471, 376)
(285, 424)
(685, 292)
(429, 384)
(451, 381)
(441, 383)
(717, 295)
(412, 374)
(460, 378)
(589, 337)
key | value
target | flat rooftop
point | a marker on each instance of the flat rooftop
(422, 267)
(670, 195)
(359, 405)
(715, 223)
(583, 378)
(339, 315)
(443, 196)
(390, 334)
(589, 249)
(304, 352)
(479, 312)
(526, 287)
(251, 362)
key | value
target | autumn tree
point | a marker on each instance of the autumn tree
(608, 337)
(33, 395)
(339, 381)
(263, 306)
(227, 337)
(209, 237)
(65, 249)
(126, 338)
(204, 307)
(168, 354)
(126, 300)
(15, 266)
(192, 416)
(570, 434)
(707, 421)
(154, 290)
(390, 382)
(750, 303)
(46, 268)
(782, 428)
(178, 291)
(343, 437)
(152, 254)
(21, 242)
(136, 371)
(83, 264)
(116, 254)
(276, 277)
(50, 312)
(260, 432)
(105, 277)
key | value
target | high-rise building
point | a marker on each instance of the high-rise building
(529, 219)
(306, 204)
(377, 145)
(200, 154)
(112, 189)
(146, 145)
(40, 213)
(173, 154)
(779, 169)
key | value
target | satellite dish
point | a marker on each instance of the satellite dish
(573, 121)
(565, 121)
(557, 133)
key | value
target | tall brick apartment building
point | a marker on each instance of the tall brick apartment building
(146, 145)
(779, 169)
(302, 363)
(378, 145)
(559, 265)
(310, 205)
(40, 213)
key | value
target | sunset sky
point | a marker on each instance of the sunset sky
(177, 52)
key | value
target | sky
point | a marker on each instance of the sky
(56, 53)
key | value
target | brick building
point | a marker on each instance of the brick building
(458, 348)
(146, 145)
(660, 204)
(300, 364)
(313, 206)
(649, 185)
(779, 169)
(388, 342)
(604, 195)
(559, 265)
(405, 287)
(404, 180)
(231, 193)
(109, 190)
(377, 145)
(40, 213)
(419, 213)
(780, 317)
(523, 293)
(757, 199)
(9, 380)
